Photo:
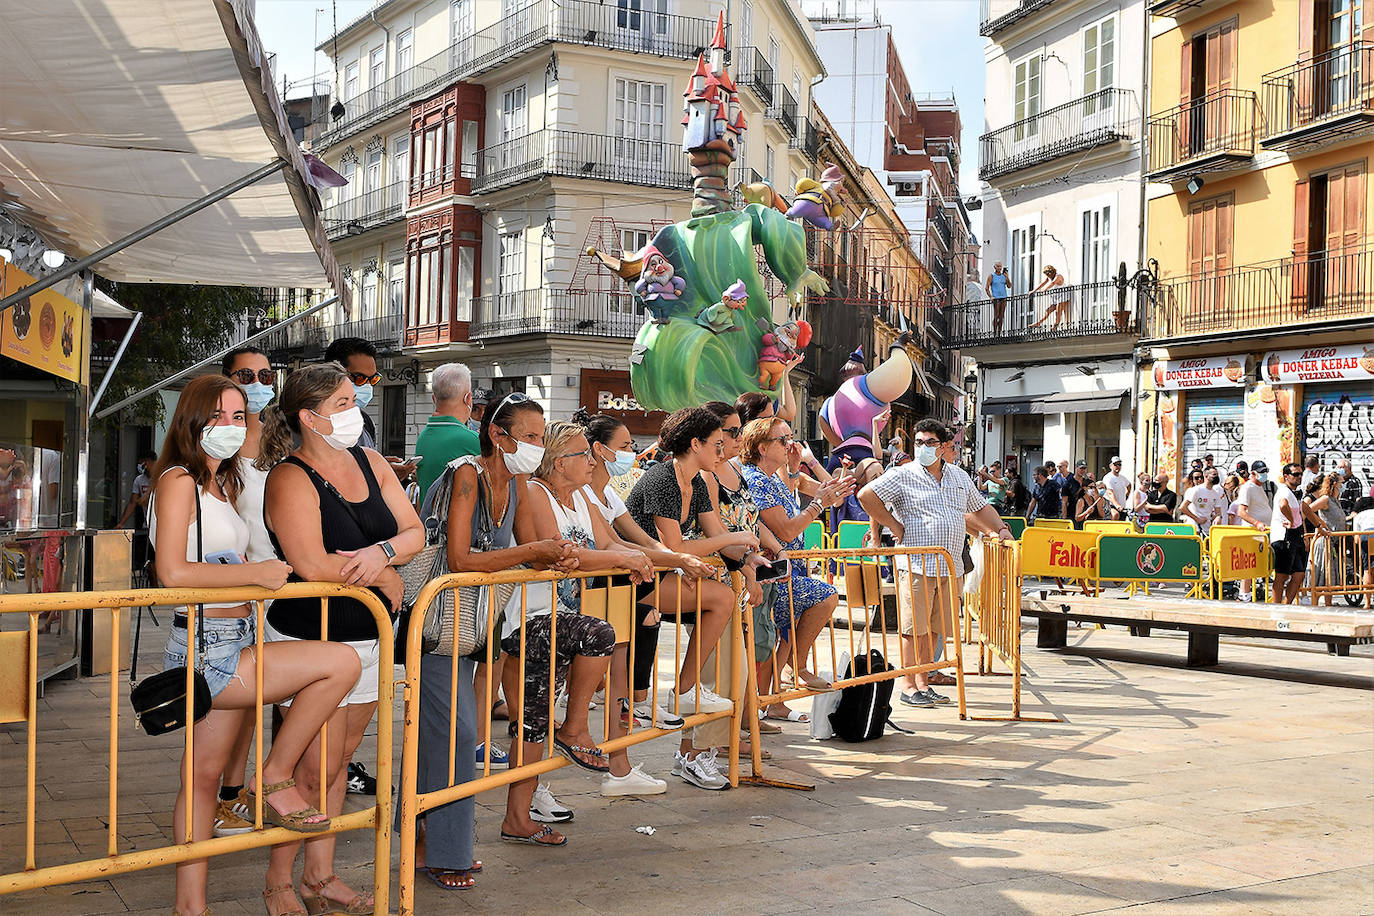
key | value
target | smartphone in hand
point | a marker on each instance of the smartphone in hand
(224, 557)
(772, 572)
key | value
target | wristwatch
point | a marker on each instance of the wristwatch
(387, 549)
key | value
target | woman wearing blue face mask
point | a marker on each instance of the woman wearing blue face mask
(336, 513)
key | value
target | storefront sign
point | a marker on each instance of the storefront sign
(608, 391)
(1059, 553)
(1239, 556)
(1156, 558)
(45, 330)
(1352, 363)
(1210, 372)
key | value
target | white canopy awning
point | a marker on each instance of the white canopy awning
(115, 113)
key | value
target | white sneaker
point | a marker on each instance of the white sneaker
(560, 707)
(649, 716)
(598, 698)
(699, 699)
(701, 771)
(635, 782)
(545, 809)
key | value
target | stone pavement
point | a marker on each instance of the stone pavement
(1248, 788)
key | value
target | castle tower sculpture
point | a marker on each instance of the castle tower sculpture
(712, 125)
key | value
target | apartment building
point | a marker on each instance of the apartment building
(1061, 167)
(911, 141)
(1260, 341)
(489, 144)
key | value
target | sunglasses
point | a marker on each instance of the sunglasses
(585, 453)
(359, 378)
(786, 439)
(731, 431)
(246, 376)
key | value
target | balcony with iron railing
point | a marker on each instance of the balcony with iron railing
(1333, 289)
(807, 140)
(1214, 132)
(581, 22)
(1327, 98)
(1054, 315)
(300, 337)
(571, 154)
(753, 72)
(548, 311)
(1106, 117)
(784, 109)
(370, 210)
(939, 221)
(997, 15)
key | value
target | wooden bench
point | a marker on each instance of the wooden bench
(1203, 621)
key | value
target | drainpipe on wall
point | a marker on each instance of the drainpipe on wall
(378, 23)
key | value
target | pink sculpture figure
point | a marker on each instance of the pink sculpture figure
(847, 416)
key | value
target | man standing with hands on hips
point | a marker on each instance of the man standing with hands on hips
(923, 504)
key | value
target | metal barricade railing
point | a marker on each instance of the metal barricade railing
(186, 849)
(1340, 566)
(414, 804)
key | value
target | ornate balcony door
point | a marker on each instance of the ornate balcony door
(639, 126)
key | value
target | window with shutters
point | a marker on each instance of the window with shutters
(350, 83)
(1207, 69)
(510, 271)
(376, 67)
(1099, 63)
(639, 124)
(746, 24)
(1210, 233)
(405, 50)
(1328, 237)
(1026, 96)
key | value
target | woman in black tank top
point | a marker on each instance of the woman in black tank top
(336, 513)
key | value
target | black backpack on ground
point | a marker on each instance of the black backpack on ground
(863, 709)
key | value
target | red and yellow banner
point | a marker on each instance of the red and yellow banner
(1058, 553)
(45, 330)
(1239, 555)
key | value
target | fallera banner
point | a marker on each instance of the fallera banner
(1059, 553)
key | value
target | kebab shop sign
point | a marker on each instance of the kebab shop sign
(1209, 372)
(1353, 363)
(1059, 553)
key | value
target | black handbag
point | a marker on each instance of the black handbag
(160, 702)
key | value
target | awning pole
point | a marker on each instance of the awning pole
(195, 367)
(83, 425)
(114, 363)
(133, 238)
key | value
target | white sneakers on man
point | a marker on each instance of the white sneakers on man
(701, 771)
(699, 699)
(635, 782)
(545, 809)
(647, 715)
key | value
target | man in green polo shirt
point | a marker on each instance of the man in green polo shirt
(446, 435)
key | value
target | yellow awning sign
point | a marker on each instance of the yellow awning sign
(46, 330)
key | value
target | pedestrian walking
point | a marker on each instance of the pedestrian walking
(1118, 490)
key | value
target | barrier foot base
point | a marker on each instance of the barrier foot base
(773, 782)
(1009, 719)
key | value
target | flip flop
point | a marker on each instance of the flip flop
(536, 838)
(476, 868)
(438, 874)
(570, 751)
(793, 715)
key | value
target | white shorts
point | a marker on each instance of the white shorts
(369, 653)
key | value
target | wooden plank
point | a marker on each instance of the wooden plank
(1163, 612)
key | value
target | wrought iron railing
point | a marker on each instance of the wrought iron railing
(1285, 293)
(1322, 92)
(1085, 310)
(1106, 116)
(383, 332)
(784, 109)
(808, 139)
(572, 154)
(755, 73)
(583, 22)
(1220, 125)
(939, 221)
(546, 311)
(366, 211)
(997, 15)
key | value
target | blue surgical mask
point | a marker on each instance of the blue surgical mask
(622, 464)
(259, 396)
(1262, 477)
(362, 395)
(927, 455)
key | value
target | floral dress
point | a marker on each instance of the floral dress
(799, 592)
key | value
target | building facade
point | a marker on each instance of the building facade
(1061, 167)
(489, 145)
(1260, 341)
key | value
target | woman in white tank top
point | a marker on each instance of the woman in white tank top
(197, 467)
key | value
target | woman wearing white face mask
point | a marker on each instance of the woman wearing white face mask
(191, 517)
(337, 513)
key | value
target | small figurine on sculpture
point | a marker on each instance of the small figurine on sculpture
(782, 346)
(818, 202)
(719, 317)
(658, 284)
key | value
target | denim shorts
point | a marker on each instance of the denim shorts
(225, 639)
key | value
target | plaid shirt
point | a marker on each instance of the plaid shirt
(931, 511)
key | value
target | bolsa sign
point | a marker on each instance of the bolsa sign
(1352, 363)
(608, 391)
(1059, 553)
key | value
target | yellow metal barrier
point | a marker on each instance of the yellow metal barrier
(1236, 554)
(116, 862)
(996, 606)
(414, 804)
(1340, 565)
(1105, 527)
(1053, 523)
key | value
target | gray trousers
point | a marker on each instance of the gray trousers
(449, 828)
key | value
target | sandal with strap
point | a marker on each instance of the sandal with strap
(298, 821)
(271, 892)
(465, 880)
(204, 912)
(317, 904)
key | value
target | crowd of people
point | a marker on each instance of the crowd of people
(260, 486)
(1298, 512)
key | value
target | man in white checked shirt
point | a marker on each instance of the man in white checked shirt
(924, 504)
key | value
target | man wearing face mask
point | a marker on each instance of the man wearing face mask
(446, 435)
(1161, 501)
(1252, 502)
(1353, 488)
(359, 359)
(137, 509)
(924, 504)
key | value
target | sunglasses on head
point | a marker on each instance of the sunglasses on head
(246, 376)
(359, 378)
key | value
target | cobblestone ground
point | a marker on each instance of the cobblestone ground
(1247, 788)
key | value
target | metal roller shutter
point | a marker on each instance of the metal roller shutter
(1214, 423)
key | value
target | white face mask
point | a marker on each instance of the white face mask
(525, 459)
(927, 455)
(622, 464)
(259, 396)
(348, 426)
(362, 395)
(222, 441)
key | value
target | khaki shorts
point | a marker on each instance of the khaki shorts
(923, 605)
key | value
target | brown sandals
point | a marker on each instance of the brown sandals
(298, 821)
(317, 904)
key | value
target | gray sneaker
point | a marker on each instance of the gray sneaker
(917, 698)
(936, 698)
